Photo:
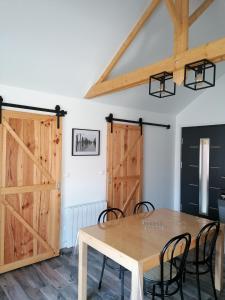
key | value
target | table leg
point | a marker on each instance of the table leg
(219, 260)
(137, 282)
(82, 271)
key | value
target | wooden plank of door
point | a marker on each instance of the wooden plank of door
(123, 182)
(27, 189)
(3, 173)
(115, 150)
(116, 169)
(27, 151)
(131, 195)
(36, 180)
(109, 164)
(134, 161)
(2, 232)
(26, 225)
(22, 115)
(125, 178)
(56, 152)
(24, 262)
(140, 168)
(2, 216)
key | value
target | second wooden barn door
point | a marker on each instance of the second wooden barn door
(30, 156)
(124, 166)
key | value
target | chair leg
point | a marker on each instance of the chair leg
(167, 289)
(198, 282)
(162, 291)
(153, 292)
(144, 288)
(102, 272)
(181, 290)
(122, 284)
(213, 282)
(120, 273)
(184, 275)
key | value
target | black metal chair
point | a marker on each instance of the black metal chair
(200, 260)
(148, 206)
(115, 213)
(166, 279)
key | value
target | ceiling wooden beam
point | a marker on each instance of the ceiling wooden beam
(173, 12)
(181, 35)
(199, 11)
(214, 51)
(149, 11)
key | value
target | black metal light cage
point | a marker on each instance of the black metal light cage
(204, 68)
(163, 89)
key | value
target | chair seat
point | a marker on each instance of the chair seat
(191, 258)
(154, 274)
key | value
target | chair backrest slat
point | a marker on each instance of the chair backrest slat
(109, 211)
(169, 253)
(208, 234)
(146, 204)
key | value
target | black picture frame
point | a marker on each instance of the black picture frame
(85, 142)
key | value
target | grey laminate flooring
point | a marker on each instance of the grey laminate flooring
(56, 279)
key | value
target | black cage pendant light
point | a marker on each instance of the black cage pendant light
(200, 75)
(161, 85)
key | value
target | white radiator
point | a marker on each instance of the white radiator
(76, 217)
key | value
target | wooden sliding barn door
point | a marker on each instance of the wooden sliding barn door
(30, 157)
(124, 166)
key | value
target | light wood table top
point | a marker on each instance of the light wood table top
(135, 242)
(142, 236)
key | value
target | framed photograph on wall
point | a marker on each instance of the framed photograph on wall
(85, 142)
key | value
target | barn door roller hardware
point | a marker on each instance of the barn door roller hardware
(57, 111)
(110, 119)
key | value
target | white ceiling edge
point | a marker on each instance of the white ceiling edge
(23, 96)
(172, 105)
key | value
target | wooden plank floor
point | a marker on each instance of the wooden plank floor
(56, 279)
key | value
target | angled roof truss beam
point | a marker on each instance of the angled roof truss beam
(173, 12)
(214, 51)
(179, 12)
(199, 11)
(148, 12)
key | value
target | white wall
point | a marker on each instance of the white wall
(207, 109)
(84, 178)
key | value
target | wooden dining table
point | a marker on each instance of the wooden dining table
(135, 242)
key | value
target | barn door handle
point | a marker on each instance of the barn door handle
(141, 124)
(213, 208)
(192, 203)
(58, 186)
(1, 100)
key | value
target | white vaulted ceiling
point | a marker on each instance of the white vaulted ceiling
(62, 47)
